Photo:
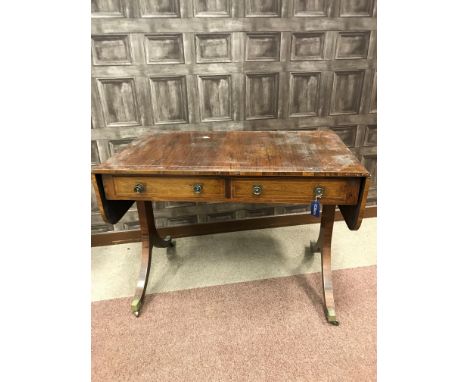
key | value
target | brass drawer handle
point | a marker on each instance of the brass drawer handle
(319, 191)
(139, 188)
(257, 189)
(197, 188)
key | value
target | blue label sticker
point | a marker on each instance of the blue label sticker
(315, 208)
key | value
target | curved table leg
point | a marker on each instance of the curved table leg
(149, 237)
(323, 245)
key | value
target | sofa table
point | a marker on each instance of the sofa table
(293, 167)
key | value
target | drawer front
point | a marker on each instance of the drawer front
(335, 190)
(164, 188)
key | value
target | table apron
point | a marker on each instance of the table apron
(336, 190)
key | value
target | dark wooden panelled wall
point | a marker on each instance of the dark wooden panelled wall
(231, 65)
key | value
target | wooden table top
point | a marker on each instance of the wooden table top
(244, 153)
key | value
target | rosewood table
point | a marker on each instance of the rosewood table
(236, 166)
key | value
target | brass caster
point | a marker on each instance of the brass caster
(331, 317)
(164, 243)
(168, 239)
(172, 244)
(136, 305)
(314, 248)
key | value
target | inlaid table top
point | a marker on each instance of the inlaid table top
(244, 153)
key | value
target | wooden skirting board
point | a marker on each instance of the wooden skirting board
(122, 237)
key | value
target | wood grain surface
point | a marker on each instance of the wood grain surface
(164, 188)
(296, 190)
(236, 153)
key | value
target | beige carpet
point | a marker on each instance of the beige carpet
(265, 330)
(209, 260)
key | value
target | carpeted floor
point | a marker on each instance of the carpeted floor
(265, 330)
(227, 258)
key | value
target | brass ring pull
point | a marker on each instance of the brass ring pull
(197, 188)
(139, 188)
(257, 189)
(318, 192)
